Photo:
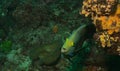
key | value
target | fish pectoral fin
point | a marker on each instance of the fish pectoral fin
(71, 51)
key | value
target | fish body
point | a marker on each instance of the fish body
(77, 37)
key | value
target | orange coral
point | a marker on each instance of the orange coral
(106, 17)
(98, 7)
(110, 23)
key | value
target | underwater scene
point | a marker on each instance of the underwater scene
(59, 35)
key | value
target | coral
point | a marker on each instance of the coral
(110, 25)
(118, 49)
(16, 61)
(106, 40)
(98, 7)
(106, 17)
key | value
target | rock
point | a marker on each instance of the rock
(46, 54)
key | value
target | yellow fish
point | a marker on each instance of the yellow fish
(77, 37)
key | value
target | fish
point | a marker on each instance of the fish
(77, 38)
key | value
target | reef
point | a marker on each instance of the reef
(32, 33)
(106, 17)
(98, 7)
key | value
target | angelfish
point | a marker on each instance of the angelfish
(77, 38)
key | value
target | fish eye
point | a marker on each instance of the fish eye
(64, 49)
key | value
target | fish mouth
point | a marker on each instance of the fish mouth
(63, 50)
(65, 53)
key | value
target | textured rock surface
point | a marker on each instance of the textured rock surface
(46, 54)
